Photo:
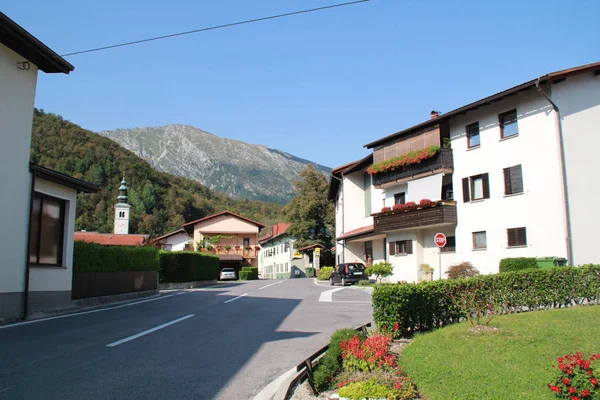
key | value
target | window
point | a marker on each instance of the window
(401, 247)
(473, 135)
(508, 124)
(246, 242)
(368, 250)
(513, 180)
(400, 198)
(476, 187)
(286, 267)
(47, 230)
(367, 190)
(516, 237)
(287, 247)
(479, 240)
(450, 246)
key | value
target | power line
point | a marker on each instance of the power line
(216, 27)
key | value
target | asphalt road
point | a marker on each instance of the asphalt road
(199, 344)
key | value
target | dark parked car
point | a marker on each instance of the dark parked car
(348, 273)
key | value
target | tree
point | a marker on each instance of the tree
(462, 270)
(310, 214)
(381, 270)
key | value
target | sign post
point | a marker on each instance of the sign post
(440, 241)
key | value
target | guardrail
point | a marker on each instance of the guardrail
(305, 369)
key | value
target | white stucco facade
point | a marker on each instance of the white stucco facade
(275, 258)
(17, 94)
(177, 242)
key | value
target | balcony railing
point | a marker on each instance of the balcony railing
(441, 161)
(441, 213)
(245, 253)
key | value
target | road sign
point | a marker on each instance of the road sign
(440, 239)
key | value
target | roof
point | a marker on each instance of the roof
(260, 226)
(336, 174)
(278, 231)
(230, 257)
(552, 77)
(357, 232)
(13, 36)
(62, 179)
(169, 235)
(312, 246)
(109, 239)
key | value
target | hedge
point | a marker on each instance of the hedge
(429, 305)
(187, 266)
(92, 257)
(517, 264)
(325, 273)
(310, 272)
(248, 273)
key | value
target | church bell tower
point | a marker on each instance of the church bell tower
(122, 210)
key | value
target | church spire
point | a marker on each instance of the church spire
(123, 191)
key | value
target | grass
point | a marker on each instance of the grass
(514, 362)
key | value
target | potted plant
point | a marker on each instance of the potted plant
(228, 247)
(209, 247)
(427, 270)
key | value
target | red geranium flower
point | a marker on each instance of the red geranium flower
(585, 393)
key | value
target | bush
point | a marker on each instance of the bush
(462, 270)
(372, 354)
(310, 272)
(405, 388)
(429, 305)
(364, 283)
(92, 257)
(517, 264)
(325, 273)
(331, 363)
(381, 270)
(248, 273)
(371, 389)
(187, 266)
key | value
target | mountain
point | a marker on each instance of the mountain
(239, 169)
(160, 202)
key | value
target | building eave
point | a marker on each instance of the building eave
(62, 179)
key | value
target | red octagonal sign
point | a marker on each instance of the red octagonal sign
(440, 239)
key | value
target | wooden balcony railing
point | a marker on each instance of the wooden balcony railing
(440, 162)
(441, 213)
(246, 253)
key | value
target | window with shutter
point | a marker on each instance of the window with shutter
(508, 124)
(409, 247)
(513, 180)
(479, 240)
(473, 135)
(516, 237)
(392, 248)
(486, 185)
(466, 194)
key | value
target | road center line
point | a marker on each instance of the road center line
(261, 288)
(328, 295)
(86, 312)
(235, 298)
(127, 339)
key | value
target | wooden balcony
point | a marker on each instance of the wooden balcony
(441, 162)
(442, 213)
(245, 253)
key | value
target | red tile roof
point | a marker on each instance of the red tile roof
(110, 239)
(261, 226)
(278, 230)
(357, 232)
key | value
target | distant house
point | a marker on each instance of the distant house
(110, 239)
(37, 208)
(276, 253)
(175, 241)
(233, 237)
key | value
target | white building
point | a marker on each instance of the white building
(21, 56)
(175, 241)
(510, 180)
(276, 253)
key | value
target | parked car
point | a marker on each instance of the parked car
(227, 274)
(348, 273)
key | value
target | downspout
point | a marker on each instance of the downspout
(26, 291)
(563, 171)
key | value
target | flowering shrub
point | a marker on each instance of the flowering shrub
(575, 378)
(386, 209)
(410, 206)
(426, 203)
(369, 355)
(413, 157)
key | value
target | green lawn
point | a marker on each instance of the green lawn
(514, 362)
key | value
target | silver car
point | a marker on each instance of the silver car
(227, 273)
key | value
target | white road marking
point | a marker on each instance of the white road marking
(261, 288)
(86, 312)
(235, 298)
(325, 283)
(271, 389)
(127, 339)
(327, 295)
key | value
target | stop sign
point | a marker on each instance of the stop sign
(440, 239)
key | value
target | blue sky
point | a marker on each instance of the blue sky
(318, 85)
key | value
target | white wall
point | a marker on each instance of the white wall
(44, 279)
(17, 95)
(405, 266)
(279, 258)
(578, 99)
(431, 253)
(177, 242)
(539, 208)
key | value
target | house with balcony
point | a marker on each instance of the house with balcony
(232, 237)
(504, 176)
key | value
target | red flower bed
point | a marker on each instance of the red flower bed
(576, 378)
(413, 157)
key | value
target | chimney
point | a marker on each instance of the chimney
(435, 114)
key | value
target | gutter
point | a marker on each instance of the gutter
(26, 290)
(563, 171)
